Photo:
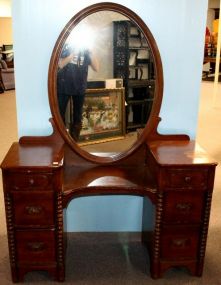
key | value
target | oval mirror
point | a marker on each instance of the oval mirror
(105, 82)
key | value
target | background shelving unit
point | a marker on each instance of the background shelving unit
(133, 63)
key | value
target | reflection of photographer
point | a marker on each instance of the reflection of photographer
(72, 83)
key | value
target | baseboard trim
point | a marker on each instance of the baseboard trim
(106, 237)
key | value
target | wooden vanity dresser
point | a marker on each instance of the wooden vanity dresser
(41, 175)
(177, 176)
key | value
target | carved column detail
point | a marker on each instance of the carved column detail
(159, 210)
(60, 245)
(11, 236)
(204, 231)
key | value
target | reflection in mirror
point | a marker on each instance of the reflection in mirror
(105, 82)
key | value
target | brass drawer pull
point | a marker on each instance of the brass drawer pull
(180, 242)
(33, 210)
(183, 207)
(36, 246)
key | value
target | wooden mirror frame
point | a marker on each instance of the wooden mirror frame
(52, 82)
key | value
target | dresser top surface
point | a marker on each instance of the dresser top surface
(34, 156)
(179, 153)
(167, 153)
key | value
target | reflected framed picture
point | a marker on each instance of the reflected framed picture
(103, 116)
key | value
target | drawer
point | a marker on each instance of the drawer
(35, 246)
(183, 207)
(186, 178)
(179, 243)
(29, 181)
(33, 208)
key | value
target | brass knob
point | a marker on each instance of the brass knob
(31, 181)
(187, 179)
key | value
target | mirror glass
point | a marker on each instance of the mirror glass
(105, 82)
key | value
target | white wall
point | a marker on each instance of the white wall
(179, 29)
(6, 31)
(5, 8)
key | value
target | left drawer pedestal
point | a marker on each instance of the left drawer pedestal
(34, 222)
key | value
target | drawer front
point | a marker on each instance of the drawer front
(35, 246)
(30, 181)
(179, 243)
(186, 178)
(183, 207)
(33, 208)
